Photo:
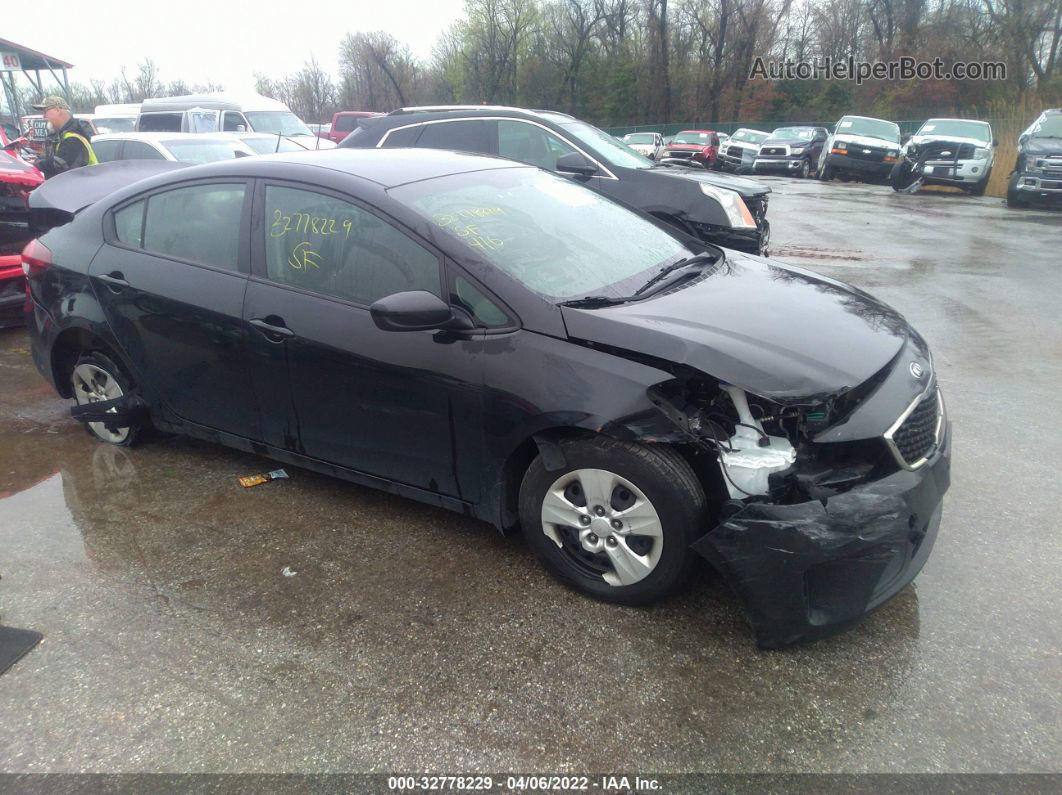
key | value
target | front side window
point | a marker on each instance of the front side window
(199, 223)
(233, 122)
(330, 246)
(475, 301)
(557, 238)
(530, 144)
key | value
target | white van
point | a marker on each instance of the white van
(219, 113)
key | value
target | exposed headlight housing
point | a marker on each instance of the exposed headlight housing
(737, 212)
(980, 153)
(797, 150)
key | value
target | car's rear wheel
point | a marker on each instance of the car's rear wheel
(616, 521)
(96, 378)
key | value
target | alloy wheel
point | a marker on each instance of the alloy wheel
(93, 384)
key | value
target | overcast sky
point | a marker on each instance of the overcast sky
(215, 40)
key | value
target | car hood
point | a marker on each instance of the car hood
(746, 188)
(15, 170)
(776, 331)
(959, 139)
(1041, 146)
(865, 140)
(786, 142)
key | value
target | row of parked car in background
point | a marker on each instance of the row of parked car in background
(953, 152)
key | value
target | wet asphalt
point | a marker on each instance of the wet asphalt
(407, 638)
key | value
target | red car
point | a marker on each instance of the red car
(701, 146)
(17, 179)
(344, 122)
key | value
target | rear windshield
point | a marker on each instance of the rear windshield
(544, 231)
(871, 128)
(204, 151)
(960, 129)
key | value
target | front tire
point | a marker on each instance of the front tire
(96, 377)
(825, 173)
(1014, 197)
(616, 522)
(978, 188)
(805, 169)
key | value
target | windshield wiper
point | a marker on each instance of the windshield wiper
(674, 269)
(590, 301)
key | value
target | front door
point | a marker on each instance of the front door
(332, 385)
(171, 279)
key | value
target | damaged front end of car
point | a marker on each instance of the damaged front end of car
(828, 505)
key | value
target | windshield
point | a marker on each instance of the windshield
(639, 138)
(794, 133)
(117, 124)
(607, 148)
(545, 231)
(691, 137)
(267, 146)
(204, 151)
(752, 136)
(871, 128)
(283, 122)
(1048, 126)
(961, 129)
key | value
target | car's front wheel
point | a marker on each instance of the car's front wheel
(805, 169)
(616, 521)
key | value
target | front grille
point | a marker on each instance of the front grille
(1052, 165)
(774, 151)
(735, 152)
(870, 153)
(947, 152)
(680, 153)
(918, 435)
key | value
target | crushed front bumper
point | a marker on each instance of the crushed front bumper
(777, 165)
(1039, 186)
(806, 570)
(862, 168)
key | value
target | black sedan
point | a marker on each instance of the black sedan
(716, 208)
(496, 340)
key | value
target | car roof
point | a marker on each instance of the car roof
(156, 137)
(868, 118)
(968, 121)
(219, 101)
(442, 111)
(693, 130)
(388, 168)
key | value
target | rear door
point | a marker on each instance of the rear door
(171, 278)
(380, 402)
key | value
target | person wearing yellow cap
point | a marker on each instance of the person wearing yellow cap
(69, 140)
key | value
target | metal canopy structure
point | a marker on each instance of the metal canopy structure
(16, 58)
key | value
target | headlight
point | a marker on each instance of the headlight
(842, 145)
(980, 153)
(892, 153)
(733, 205)
(797, 150)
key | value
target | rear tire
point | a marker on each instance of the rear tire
(616, 522)
(97, 377)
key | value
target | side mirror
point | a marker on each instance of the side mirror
(995, 142)
(904, 139)
(1022, 139)
(241, 128)
(415, 310)
(575, 163)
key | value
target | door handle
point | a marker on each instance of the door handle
(115, 280)
(270, 330)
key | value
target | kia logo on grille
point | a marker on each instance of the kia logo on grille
(916, 370)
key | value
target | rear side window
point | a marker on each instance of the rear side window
(200, 223)
(406, 136)
(233, 121)
(129, 224)
(106, 151)
(462, 136)
(331, 246)
(138, 150)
